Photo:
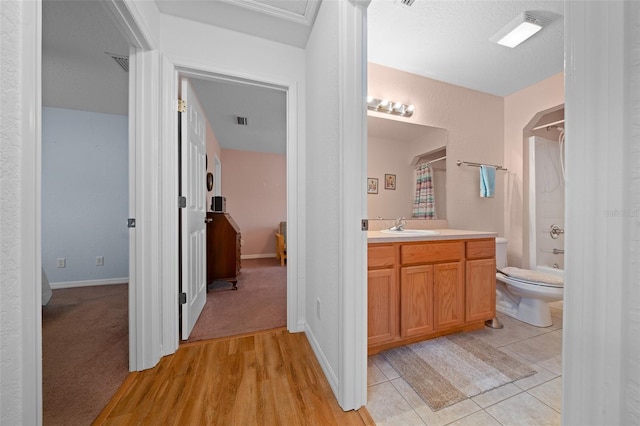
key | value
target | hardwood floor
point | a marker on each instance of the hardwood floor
(268, 378)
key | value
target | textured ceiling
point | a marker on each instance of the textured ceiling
(76, 72)
(446, 40)
(449, 41)
(264, 108)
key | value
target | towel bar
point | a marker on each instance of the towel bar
(554, 251)
(469, 163)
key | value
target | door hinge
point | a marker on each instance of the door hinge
(182, 105)
(182, 202)
(131, 223)
(364, 226)
(183, 298)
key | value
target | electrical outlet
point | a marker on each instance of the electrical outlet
(99, 260)
(62, 262)
(318, 307)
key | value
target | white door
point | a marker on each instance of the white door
(193, 187)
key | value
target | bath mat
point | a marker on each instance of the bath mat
(452, 368)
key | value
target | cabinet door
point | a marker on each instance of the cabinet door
(416, 300)
(448, 294)
(480, 290)
(382, 306)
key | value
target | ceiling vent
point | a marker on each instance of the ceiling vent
(123, 61)
(242, 121)
(404, 2)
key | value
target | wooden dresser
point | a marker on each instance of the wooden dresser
(223, 248)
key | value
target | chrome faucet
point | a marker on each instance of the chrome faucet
(399, 225)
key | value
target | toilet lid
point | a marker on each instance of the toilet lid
(533, 277)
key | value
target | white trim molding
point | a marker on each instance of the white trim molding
(170, 223)
(601, 349)
(352, 56)
(88, 283)
(145, 317)
(20, 217)
(175, 67)
(258, 256)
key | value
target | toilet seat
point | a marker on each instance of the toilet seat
(536, 283)
(529, 277)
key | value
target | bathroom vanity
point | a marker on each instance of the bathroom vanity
(421, 287)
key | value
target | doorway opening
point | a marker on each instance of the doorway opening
(85, 196)
(245, 183)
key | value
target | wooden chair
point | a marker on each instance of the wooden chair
(281, 248)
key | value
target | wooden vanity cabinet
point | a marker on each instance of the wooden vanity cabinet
(480, 291)
(421, 290)
(382, 294)
(431, 287)
(448, 295)
(416, 300)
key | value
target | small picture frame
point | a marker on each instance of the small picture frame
(389, 181)
(372, 185)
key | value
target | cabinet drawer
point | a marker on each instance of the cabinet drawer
(381, 256)
(481, 249)
(431, 252)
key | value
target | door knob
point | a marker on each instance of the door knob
(208, 220)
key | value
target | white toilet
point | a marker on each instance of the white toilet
(525, 294)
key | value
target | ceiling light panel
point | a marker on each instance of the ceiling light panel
(519, 29)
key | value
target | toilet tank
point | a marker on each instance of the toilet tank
(501, 252)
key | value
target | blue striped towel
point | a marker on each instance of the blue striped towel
(487, 181)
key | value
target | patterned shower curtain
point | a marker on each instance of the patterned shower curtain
(424, 202)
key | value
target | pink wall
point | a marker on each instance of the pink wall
(519, 109)
(255, 185)
(475, 125)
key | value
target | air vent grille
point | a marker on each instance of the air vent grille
(121, 60)
(242, 121)
(405, 2)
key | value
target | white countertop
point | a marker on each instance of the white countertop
(443, 234)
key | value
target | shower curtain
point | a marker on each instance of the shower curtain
(424, 202)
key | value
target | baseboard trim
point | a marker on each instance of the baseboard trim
(322, 359)
(89, 283)
(257, 256)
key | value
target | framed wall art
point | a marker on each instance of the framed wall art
(372, 185)
(389, 181)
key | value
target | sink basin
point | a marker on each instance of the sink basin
(411, 232)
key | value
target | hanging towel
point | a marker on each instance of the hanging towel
(487, 181)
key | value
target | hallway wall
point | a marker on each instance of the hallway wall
(85, 196)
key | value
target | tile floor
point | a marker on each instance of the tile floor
(534, 400)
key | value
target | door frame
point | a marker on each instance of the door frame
(141, 58)
(172, 70)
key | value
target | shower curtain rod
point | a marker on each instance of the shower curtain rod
(437, 159)
(548, 126)
(469, 163)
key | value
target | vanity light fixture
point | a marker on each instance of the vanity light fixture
(386, 106)
(520, 29)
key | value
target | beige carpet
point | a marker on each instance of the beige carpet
(260, 303)
(450, 369)
(85, 352)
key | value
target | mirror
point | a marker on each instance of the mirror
(395, 149)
